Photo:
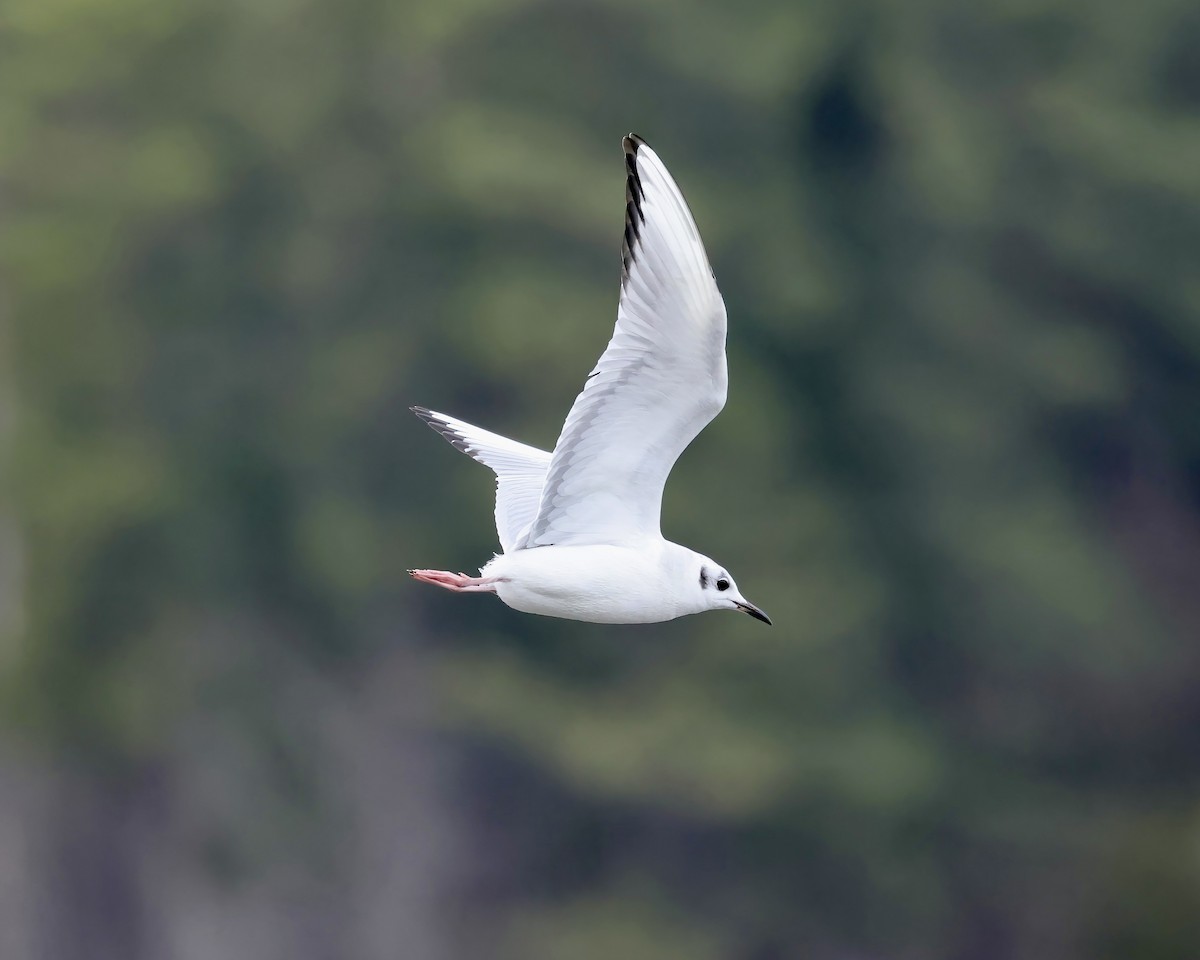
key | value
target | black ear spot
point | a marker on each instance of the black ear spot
(722, 584)
(703, 579)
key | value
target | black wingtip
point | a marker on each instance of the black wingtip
(634, 195)
(438, 425)
(429, 418)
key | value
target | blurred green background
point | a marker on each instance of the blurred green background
(960, 467)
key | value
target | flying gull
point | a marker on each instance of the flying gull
(579, 527)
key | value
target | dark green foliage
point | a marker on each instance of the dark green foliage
(960, 465)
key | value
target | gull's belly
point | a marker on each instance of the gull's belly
(594, 583)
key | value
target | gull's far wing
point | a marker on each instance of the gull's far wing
(520, 471)
(659, 382)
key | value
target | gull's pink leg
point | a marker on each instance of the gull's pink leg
(458, 582)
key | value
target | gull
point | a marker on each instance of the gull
(579, 527)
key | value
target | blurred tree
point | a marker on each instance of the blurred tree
(959, 465)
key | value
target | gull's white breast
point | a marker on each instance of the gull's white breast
(599, 583)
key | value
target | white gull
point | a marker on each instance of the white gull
(579, 527)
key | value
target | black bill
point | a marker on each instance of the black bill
(753, 611)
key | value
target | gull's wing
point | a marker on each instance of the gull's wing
(659, 382)
(520, 471)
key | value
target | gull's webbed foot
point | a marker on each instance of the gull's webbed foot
(458, 582)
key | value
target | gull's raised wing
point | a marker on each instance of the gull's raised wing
(659, 382)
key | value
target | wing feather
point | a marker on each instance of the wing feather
(660, 381)
(520, 471)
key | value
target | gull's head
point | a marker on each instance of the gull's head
(717, 591)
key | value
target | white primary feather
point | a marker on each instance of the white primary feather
(661, 380)
(520, 471)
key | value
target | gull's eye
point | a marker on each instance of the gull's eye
(722, 584)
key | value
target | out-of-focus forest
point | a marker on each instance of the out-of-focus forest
(960, 467)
